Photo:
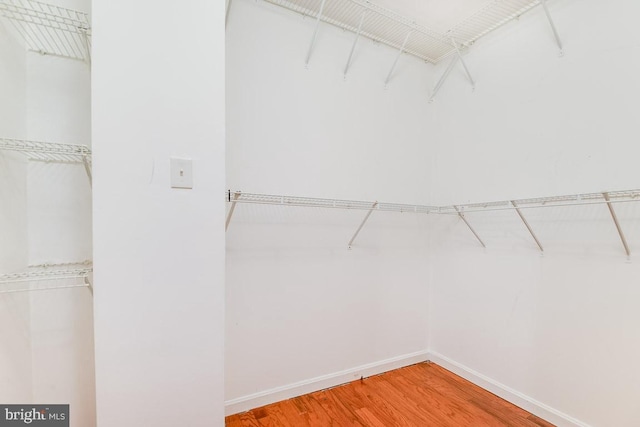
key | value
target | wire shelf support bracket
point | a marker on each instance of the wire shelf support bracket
(234, 201)
(395, 62)
(614, 217)
(526, 224)
(315, 33)
(49, 29)
(364, 221)
(355, 42)
(553, 26)
(464, 64)
(444, 77)
(464, 219)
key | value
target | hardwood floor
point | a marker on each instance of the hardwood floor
(420, 395)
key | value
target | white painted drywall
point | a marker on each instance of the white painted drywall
(158, 91)
(15, 329)
(59, 229)
(301, 307)
(558, 328)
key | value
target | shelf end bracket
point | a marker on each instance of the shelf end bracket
(234, 201)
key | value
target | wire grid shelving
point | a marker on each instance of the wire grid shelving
(543, 202)
(50, 29)
(268, 199)
(47, 151)
(489, 18)
(379, 24)
(387, 27)
(47, 277)
(608, 198)
(540, 202)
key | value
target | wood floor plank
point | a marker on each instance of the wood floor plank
(249, 420)
(483, 409)
(424, 394)
(340, 412)
(450, 408)
(499, 408)
(378, 406)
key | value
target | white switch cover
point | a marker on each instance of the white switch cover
(181, 173)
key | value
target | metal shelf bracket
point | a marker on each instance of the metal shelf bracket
(464, 64)
(526, 224)
(553, 26)
(234, 202)
(462, 217)
(443, 78)
(355, 42)
(395, 62)
(617, 224)
(364, 221)
(315, 33)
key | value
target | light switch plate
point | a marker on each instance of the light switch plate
(181, 173)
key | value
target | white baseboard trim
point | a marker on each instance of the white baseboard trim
(519, 399)
(277, 394)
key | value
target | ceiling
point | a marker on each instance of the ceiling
(424, 28)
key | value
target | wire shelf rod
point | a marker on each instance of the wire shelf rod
(388, 27)
(47, 151)
(61, 276)
(267, 199)
(45, 275)
(586, 199)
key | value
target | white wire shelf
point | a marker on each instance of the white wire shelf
(624, 196)
(311, 202)
(47, 151)
(608, 198)
(489, 18)
(47, 277)
(49, 29)
(390, 28)
(540, 202)
(379, 24)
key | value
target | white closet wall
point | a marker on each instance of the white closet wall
(158, 92)
(15, 324)
(559, 328)
(303, 311)
(59, 219)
